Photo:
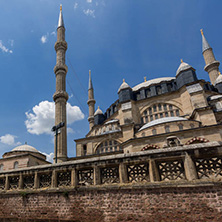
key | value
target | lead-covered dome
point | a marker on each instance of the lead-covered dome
(124, 85)
(183, 67)
(26, 148)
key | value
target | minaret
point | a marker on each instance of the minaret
(212, 66)
(60, 96)
(91, 102)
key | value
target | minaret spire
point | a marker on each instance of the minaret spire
(205, 44)
(60, 96)
(212, 66)
(60, 23)
(91, 102)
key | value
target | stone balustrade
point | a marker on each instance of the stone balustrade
(195, 162)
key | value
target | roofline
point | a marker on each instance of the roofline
(25, 154)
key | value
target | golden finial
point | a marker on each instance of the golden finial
(181, 60)
(61, 7)
(98, 107)
(201, 31)
(90, 72)
(145, 79)
(219, 73)
(123, 80)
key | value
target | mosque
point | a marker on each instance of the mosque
(157, 114)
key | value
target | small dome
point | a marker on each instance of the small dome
(98, 112)
(218, 80)
(124, 85)
(25, 148)
(183, 67)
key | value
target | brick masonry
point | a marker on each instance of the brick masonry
(199, 203)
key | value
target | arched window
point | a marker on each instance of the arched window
(84, 149)
(177, 112)
(16, 165)
(108, 146)
(180, 126)
(154, 131)
(167, 129)
(1, 167)
(159, 110)
(154, 108)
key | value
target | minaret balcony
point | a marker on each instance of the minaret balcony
(211, 66)
(60, 94)
(60, 68)
(61, 45)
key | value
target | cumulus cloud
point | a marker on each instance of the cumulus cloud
(9, 139)
(42, 117)
(44, 39)
(75, 5)
(89, 12)
(89, 1)
(4, 49)
(49, 157)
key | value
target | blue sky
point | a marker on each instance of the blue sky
(116, 39)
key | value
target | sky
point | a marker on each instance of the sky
(116, 39)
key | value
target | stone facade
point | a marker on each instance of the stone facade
(149, 113)
(21, 157)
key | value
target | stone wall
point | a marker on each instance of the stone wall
(174, 184)
(187, 202)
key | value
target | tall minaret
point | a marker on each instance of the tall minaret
(60, 96)
(212, 66)
(91, 102)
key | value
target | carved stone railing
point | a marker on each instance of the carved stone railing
(197, 162)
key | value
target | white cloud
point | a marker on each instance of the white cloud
(4, 49)
(44, 39)
(75, 5)
(89, 1)
(11, 42)
(89, 12)
(9, 139)
(42, 117)
(70, 130)
(53, 33)
(49, 157)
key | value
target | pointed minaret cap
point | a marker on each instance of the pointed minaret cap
(219, 79)
(205, 44)
(61, 22)
(98, 111)
(124, 85)
(183, 67)
(90, 81)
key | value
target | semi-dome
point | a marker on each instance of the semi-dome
(124, 85)
(162, 120)
(152, 82)
(183, 67)
(25, 147)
